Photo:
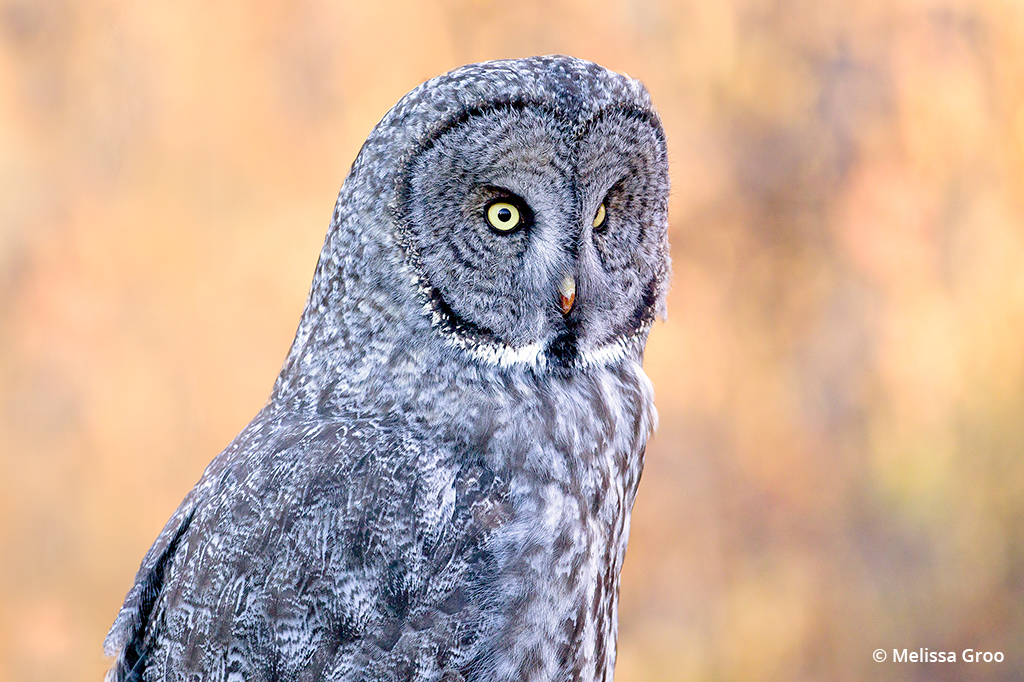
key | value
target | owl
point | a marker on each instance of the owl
(439, 487)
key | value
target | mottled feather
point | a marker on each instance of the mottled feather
(439, 487)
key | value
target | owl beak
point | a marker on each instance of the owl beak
(567, 294)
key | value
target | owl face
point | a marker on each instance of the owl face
(539, 234)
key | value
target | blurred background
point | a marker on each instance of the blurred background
(841, 379)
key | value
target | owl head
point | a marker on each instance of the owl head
(515, 211)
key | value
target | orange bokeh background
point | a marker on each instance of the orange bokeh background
(840, 462)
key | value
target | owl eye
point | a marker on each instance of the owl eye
(503, 216)
(599, 216)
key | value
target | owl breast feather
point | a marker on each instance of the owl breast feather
(364, 548)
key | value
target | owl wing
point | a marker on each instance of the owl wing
(343, 550)
(125, 638)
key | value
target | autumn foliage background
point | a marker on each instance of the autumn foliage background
(841, 380)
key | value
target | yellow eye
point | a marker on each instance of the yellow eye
(599, 217)
(503, 216)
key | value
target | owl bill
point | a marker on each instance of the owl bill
(567, 294)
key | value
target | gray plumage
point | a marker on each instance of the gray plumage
(439, 487)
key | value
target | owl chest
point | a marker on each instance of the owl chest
(572, 563)
(572, 496)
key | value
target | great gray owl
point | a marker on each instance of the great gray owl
(440, 485)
